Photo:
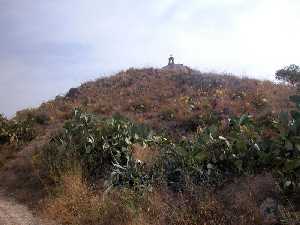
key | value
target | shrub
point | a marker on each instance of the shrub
(167, 114)
(4, 134)
(16, 131)
(290, 74)
(215, 155)
(42, 118)
(74, 203)
(101, 146)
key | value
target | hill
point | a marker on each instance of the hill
(171, 100)
(177, 115)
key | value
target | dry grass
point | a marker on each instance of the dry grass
(170, 101)
(145, 154)
(76, 204)
(178, 104)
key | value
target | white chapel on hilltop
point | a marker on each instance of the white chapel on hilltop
(176, 67)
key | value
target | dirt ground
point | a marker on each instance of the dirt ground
(13, 213)
(20, 187)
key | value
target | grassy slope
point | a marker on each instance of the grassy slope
(166, 101)
(172, 101)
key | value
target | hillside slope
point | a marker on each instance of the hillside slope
(176, 104)
(172, 101)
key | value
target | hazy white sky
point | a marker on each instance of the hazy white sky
(46, 47)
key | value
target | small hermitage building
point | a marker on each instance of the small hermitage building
(176, 67)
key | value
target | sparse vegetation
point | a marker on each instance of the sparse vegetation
(16, 132)
(215, 155)
(289, 74)
(102, 147)
(168, 148)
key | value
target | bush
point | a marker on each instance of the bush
(16, 132)
(214, 155)
(42, 118)
(75, 203)
(290, 74)
(4, 134)
(102, 147)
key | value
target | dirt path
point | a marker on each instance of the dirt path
(12, 213)
(18, 178)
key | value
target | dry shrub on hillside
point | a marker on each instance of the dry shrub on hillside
(75, 204)
(6, 153)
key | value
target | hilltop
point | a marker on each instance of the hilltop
(173, 101)
(177, 105)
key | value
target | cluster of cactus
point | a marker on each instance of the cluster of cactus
(214, 155)
(16, 131)
(101, 146)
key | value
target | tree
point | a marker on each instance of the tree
(290, 74)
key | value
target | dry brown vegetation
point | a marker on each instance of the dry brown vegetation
(170, 101)
(76, 203)
(175, 103)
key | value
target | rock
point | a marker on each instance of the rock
(73, 93)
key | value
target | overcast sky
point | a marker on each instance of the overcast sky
(46, 47)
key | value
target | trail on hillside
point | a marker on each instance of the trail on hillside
(15, 172)
(12, 213)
